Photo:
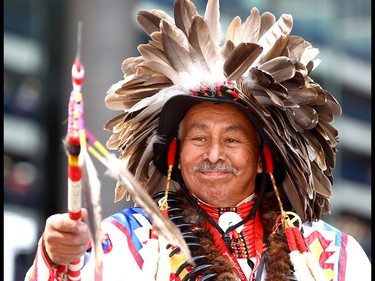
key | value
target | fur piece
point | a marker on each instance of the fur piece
(277, 261)
(220, 265)
(278, 264)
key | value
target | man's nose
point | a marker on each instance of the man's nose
(215, 151)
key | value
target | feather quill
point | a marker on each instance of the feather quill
(129, 65)
(279, 29)
(184, 11)
(251, 27)
(234, 32)
(267, 20)
(227, 49)
(176, 47)
(207, 53)
(212, 18)
(91, 196)
(150, 20)
(280, 68)
(163, 226)
(240, 59)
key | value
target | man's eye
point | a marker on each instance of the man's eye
(199, 139)
(231, 141)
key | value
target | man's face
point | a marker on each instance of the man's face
(219, 154)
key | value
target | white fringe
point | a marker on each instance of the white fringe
(164, 269)
(301, 271)
(157, 263)
(151, 261)
(314, 267)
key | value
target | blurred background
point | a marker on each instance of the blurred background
(40, 40)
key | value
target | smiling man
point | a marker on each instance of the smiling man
(252, 172)
(219, 151)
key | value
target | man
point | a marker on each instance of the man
(252, 171)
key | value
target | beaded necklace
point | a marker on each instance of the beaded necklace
(243, 242)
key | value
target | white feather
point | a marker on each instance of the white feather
(314, 267)
(91, 192)
(163, 226)
(151, 259)
(212, 18)
(301, 271)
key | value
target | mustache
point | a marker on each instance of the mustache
(219, 166)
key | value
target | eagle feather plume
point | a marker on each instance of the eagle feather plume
(267, 64)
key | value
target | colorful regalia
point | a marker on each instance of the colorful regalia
(276, 233)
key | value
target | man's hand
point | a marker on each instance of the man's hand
(66, 240)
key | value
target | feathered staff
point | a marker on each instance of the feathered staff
(82, 176)
(73, 149)
(82, 179)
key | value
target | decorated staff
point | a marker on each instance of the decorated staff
(75, 136)
(82, 175)
(83, 180)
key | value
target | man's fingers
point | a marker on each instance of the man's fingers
(84, 214)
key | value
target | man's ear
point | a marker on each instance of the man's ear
(260, 164)
(266, 156)
(177, 158)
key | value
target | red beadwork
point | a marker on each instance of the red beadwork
(243, 243)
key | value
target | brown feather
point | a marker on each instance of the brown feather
(129, 65)
(322, 184)
(267, 20)
(227, 49)
(251, 27)
(176, 47)
(240, 59)
(156, 59)
(206, 51)
(302, 118)
(184, 11)
(111, 124)
(212, 18)
(234, 31)
(150, 20)
(280, 68)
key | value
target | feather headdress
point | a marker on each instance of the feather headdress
(267, 67)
